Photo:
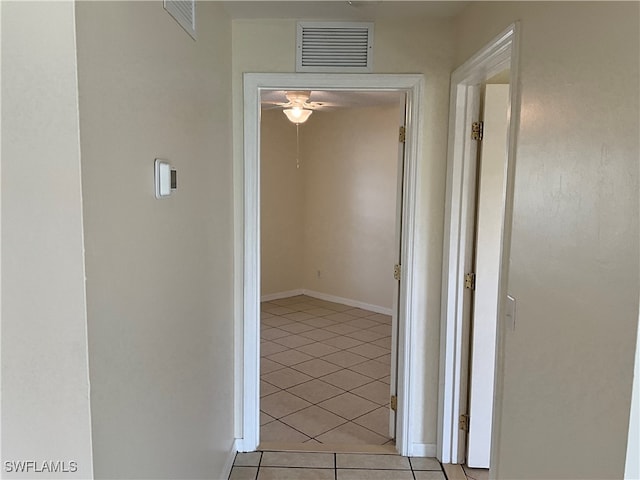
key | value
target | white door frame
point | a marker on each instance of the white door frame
(499, 54)
(412, 281)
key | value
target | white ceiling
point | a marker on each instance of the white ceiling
(342, 10)
(337, 99)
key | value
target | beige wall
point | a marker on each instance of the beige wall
(159, 298)
(158, 271)
(410, 45)
(574, 255)
(282, 195)
(350, 159)
(45, 381)
(336, 213)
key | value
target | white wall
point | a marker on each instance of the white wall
(574, 255)
(45, 383)
(158, 271)
(336, 213)
(405, 45)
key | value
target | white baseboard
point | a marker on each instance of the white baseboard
(279, 295)
(241, 447)
(231, 457)
(348, 301)
(423, 450)
(328, 298)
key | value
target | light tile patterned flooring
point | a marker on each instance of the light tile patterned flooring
(333, 466)
(324, 373)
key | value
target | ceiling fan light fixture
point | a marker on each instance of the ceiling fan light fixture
(297, 115)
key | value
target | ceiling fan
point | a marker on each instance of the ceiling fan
(298, 107)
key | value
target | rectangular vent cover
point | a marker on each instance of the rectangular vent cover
(184, 11)
(334, 47)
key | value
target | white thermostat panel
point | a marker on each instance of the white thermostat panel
(165, 178)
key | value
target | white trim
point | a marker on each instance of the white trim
(328, 297)
(514, 128)
(413, 281)
(278, 295)
(632, 461)
(239, 445)
(231, 457)
(423, 450)
(84, 258)
(497, 55)
(348, 301)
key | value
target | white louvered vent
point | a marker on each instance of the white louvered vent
(184, 11)
(334, 47)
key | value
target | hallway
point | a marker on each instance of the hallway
(324, 372)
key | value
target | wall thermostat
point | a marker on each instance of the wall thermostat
(166, 178)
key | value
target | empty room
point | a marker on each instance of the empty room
(329, 242)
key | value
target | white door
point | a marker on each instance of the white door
(393, 383)
(490, 213)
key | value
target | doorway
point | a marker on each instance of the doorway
(328, 246)
(254, 84)
(467, 83)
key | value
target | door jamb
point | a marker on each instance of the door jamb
(412, 282)
(500, 53)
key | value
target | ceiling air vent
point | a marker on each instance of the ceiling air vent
(334, 47)
(184, 11)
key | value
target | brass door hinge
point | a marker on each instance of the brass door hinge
(396, 272)
(394, 403)
(403, 135)
(463, 423)
(470, 281)
(477, 130)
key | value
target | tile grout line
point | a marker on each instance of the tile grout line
(413, 473)
(259, 465)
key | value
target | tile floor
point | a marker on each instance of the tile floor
(324, 373)
(333, 466)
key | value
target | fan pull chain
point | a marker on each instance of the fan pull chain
(297, 145)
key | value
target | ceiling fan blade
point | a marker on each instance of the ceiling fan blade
(320, 105)
(270, 106)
